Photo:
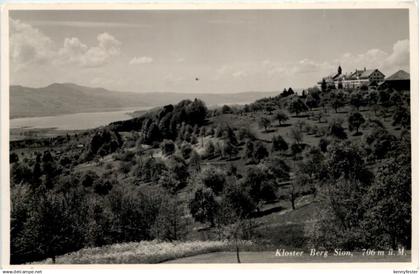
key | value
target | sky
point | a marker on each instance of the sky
(203, 51)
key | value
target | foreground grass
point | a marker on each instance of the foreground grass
(144, 252)
(270, 257)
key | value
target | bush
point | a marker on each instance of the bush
(186, 150)
(279, 144)
(167, 147)
(210, 149)
(89, 178)
(336, 129)
(260, 151)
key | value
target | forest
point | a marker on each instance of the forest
(325, 169)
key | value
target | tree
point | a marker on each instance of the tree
(153, 134)
(228, 149)
(13, 158)
(290, 91)
(310, 170)
(323, 144)
(311, 102)
(210, 149)
(297, 106)
(395, 99)
(167, 147)
(214, 178)
(226, 109)
(296, 134)
(261, 184)
(401, 117)
(293, 191)
(279, 144)
(56, 225)
(337, 101)
(196, 112)
(21, 173)
(186, 150)
(89, 178)
(355, 121)
(178, 170)
(170, 224)
(264, 122)
(323, 85)
(356, 100)
(278, 168)
(281, 117)
(229, 134)
(335, 129)
(260, 151)
(195, 160)
(346, 160)
(249, 151)
(381, 142)
(383, 99)
(233, 214)
(388, 218)
(203, 206)
(236, 198)
(372, 98)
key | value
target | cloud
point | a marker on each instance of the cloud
(372, 58)
(310, 66)
(141, 60)
(230, 71)
(28, 45)
(400, 56)
(303, 66)
(75, 52)
(239, 74)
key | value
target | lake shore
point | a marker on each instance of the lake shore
(51, 126)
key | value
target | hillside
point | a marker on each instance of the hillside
(291, 172)
(69, 98)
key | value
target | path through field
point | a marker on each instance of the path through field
(269, 257)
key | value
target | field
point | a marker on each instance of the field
(270, 257)
(141, 253)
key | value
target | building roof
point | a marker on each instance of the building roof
(362, 74)
(399, 75)
(366, 73)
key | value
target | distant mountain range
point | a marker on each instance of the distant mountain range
(66, 98)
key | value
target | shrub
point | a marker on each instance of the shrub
(279, 144)
(167, 147)
(336, 129)
(186, 150)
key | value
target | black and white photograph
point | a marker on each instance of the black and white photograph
(210, 136)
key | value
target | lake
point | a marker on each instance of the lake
(76, 121)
